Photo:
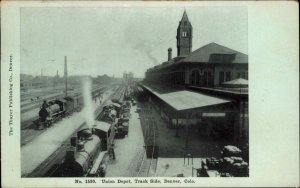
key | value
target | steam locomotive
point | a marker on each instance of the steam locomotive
(89, 150)
(87, 153)
(54, 110)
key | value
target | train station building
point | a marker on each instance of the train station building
(205, 89)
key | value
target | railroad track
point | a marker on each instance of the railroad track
(35, 104)
(29, 131)
(27, 123)
(148, 159)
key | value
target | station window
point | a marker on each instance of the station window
(228, 76)
(221, 77)
(244, 75)
(184, 34)
(205, 78)
(210, 79)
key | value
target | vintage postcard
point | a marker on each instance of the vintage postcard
(149, 94)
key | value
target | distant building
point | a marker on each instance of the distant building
(29, 82)
(56, 80)
(26, 81)
(128, 77)
(104, 79)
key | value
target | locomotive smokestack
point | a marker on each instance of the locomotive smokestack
(74, 141)
(86, 134)
(169, 54)
(70, 154)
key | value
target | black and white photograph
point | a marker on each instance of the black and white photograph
(149, 94)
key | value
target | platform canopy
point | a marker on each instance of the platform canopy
(184, 99)
(102, 126)
(236, 82)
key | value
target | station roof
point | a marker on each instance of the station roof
(210, 53)
(216, 53)
(184, 99)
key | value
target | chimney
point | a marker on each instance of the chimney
(66, 71)
(66, 75)
(169, 54)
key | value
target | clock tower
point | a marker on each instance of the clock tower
(184, 36)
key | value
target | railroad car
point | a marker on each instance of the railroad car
(109, 115)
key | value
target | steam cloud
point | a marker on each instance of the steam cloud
(88, 109)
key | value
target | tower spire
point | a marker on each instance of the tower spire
(184, 36)
(184, 16)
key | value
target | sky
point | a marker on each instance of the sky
(112, 40)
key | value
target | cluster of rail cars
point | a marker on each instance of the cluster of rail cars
(125, 103)
(53, 110)
(90, 147)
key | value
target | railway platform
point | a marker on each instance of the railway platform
(128, 150)
(174, 158)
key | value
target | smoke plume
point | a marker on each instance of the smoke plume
(139, 43)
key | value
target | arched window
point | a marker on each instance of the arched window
(197, 78)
